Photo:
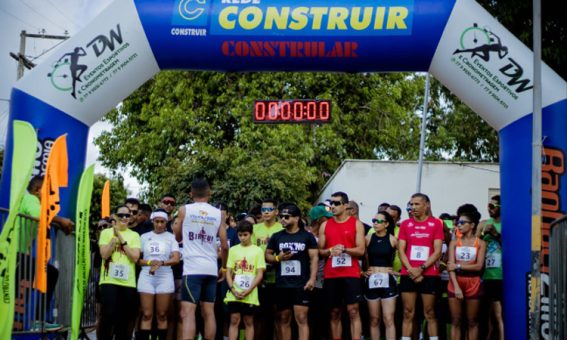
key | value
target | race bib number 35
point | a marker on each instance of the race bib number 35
(378, 280)
(344, 260)
(290, 268)
(119, 271)
(243, 281)
(419, 253)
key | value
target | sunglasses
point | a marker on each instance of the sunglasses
(461, 222)
(285, 217)
(168, 202)
(379, 221)
(120, 215)
(267, 210)
(134, 212)
(336, 203)
(493, 206)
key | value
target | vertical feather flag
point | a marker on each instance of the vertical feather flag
(105, 204)
(56, 175)
(82, 248)
(25, 140)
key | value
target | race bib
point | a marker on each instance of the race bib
(156, 248)
(419, 253)
(343, 260)
(291, 268)
(465, 254)
(119, 271)
(494, 260)
(378, 280)
(243, 281)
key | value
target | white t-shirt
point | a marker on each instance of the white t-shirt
(200, 229)
(158, 247)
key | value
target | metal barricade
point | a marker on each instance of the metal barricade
(558, 279)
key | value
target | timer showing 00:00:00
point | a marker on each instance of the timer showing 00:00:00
(292, 111)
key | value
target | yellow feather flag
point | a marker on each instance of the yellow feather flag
(105, 204)
(56, 176)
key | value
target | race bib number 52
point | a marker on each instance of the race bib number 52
(343, 260)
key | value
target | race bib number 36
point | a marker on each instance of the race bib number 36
(344, 260)
(119, 271)
(378, 280)
(290, 268)
(156, 248)
(419, 253)
(243, 281)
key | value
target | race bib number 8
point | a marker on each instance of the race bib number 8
(465, 253)
(419, 253)
(378, 280)
(290, 268)
(494, 260)
(344, 260)
(119, 271)
(243, 281)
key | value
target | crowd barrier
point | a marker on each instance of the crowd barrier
(558, 279)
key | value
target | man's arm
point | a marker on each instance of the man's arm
(65, 224)
(313, 267)
(360, 248)
(223, 241)
(178, 224)
(322, 241)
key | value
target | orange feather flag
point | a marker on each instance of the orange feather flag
(105, 204)
(56, 175)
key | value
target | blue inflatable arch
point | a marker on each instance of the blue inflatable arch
(455, 40)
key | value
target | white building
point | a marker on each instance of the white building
(448, 185)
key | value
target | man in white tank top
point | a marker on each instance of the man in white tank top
(198, 224)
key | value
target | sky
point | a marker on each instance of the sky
(53, 17)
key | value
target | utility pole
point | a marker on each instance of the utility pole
(422, 136)
(23, 61)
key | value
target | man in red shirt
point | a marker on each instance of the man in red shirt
(419, 248)
(342, 240)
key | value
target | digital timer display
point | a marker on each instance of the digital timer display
(292, 111)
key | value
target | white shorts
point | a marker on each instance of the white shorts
(155, 284)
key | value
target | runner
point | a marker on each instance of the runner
(419, 248)
(245, 268)
(294, 253)
(466, 259)
(198, 225)
(491, 232)
(159, 252)
(119, 249)
(380, 286)
(342, 239)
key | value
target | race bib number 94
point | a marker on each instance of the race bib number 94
(344, 260)
(290, 268)
(419, 253)
(119, 271)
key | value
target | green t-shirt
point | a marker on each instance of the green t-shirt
(493, 260)
(261, 237)
(244, 263)
(30, 206)
(119, 270)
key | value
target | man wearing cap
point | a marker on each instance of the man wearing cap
(294, 254)
(342, 240)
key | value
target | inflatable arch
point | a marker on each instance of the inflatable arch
(455, 40)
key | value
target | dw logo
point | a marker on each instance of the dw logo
(190, 13)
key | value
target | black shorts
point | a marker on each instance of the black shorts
(381, 293)
(493, 290)
(286, 298)
(429, 285)
(241, 308)
(343, 290)
(199, 288)
(267, 295)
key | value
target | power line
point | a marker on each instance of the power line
(41, 15)
(63, 14)
(20, 20)
(45, 51)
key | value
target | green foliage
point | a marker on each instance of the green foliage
(185, 124)
(117, 195)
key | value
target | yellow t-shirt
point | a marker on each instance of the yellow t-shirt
(261, 237)
(119, 270)
(244, 263)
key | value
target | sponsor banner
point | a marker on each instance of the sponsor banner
(515, 158)
(82, 249)
(93, 71)
(21, 166)
(488, 68)
(357, 35)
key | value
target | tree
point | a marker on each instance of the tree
(118, 194)
(185, 124)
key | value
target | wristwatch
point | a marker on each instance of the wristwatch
(423, 267)
(124, 243)
(459, 267)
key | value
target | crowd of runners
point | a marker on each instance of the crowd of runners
(276, 272)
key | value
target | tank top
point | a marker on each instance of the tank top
(466, 254)
(380, 251)
(200, 228)
(341, 233)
